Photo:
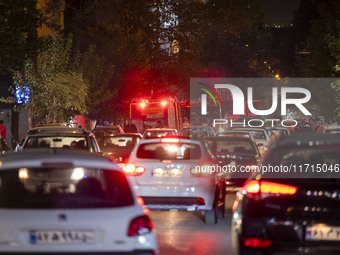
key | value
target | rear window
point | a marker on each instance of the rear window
(65, 142)
(202, 132)
(235, 147)
(63, 188)
(159, 133)
(112, 143)
(258, 135)
(172, 151)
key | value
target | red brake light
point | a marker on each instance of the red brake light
(170, 140)
(140, 226)
(277, 188)
(140, 201)
(132, 170)
(269, 188)
(257, 242)
(252, 187)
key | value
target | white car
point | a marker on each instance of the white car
(59, 201)
(171, 173)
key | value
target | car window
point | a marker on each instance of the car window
(65, 142)
(112, 143)
(229, 146)
(258, 135)
(163, 151)
(160, 133)
(63, 188)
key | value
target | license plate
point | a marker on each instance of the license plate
(61, 236)
(167, 173)
(323, 232)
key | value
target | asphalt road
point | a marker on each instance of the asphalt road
(180, 233)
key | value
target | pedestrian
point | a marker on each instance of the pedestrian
(3, 130)
(130, 127)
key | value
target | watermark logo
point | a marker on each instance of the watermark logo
(239, 99)
(204, 96)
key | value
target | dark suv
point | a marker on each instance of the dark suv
(294, 210)
(60, 138)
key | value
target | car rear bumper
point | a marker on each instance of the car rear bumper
(176, 203)
(289, 249)
(179, 198)
(287, 236)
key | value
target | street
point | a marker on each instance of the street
(186, 233)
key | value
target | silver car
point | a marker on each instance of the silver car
(63, 202)
(173, 174)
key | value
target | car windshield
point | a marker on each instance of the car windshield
(115, 144)
(63, 188)
(233, 147)
(171, 151)
(65, 142)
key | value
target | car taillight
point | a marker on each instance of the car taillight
(141, 202)
(132, 170)
(140, 226)
(257, 242)
(268, 188)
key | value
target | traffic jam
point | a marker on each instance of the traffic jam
(67, 189)
(201, 127)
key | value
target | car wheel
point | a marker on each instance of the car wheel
(210, 216)
(220, 211)
(221, 203)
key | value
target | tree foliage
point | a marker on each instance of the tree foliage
(62, 83)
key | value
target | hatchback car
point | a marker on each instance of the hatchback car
(65, 202)
(260, 136)
(119, 146)
(296, 211)
(173, 174)
(60, 137)
(236, 152)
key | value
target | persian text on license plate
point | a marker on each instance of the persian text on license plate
(323, 232)
(167, 173)
(61, 236)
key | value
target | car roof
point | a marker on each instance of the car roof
(197, 127)
(57, 157)
(106, 127)
(158, 140)
(160, 129)
(54, 125)
(234, 138)
(249, 128)
(235, 131)
(57, 130)
(123, 135)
